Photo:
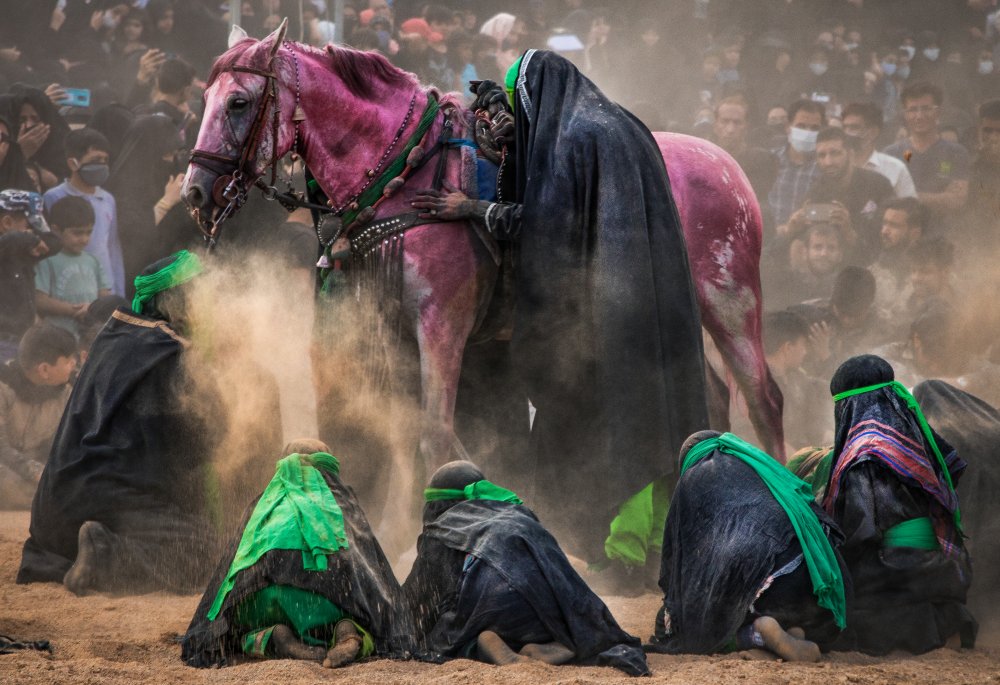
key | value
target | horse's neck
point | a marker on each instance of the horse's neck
(344, 136)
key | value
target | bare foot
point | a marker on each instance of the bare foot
(346, 645)
(91, 545)
(287, 645)
(783, 644)
(797, 632)
(553, 653)
(493, 650)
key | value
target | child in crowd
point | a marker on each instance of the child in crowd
(33, 393)
(67, 283)
(88, 157)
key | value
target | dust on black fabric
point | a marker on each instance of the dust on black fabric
(358, 579)
(10, 645)
(127, 454)
(725, 534)
(607, 333)
(973, 427)
(905, 598)
(517, 549)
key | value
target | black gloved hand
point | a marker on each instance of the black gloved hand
(490, 95)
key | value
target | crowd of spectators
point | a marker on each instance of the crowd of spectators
(869, 130)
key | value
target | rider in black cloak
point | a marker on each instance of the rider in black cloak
(735, 573)
(606, 334)
(123, 502)
(353, 604)
(892, 492)
(972, 427)
(490, 582)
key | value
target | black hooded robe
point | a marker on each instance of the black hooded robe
(904, 597)
(607, 334)
(726, 536)
(973, 427)
(130, 455)
(486, 565)
(358, 580)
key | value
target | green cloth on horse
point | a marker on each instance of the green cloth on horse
(298, 512)
(795, 497)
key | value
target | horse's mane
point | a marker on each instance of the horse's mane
(358, 69)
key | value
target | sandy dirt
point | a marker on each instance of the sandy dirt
(101, 639)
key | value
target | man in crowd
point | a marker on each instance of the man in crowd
(892, 492)
(490, 582)
(33, 392)
(904, 222)
(730, 130)
(122, 505)
(749, 559)
(88, 156)
(860, 191)
(797, 160)
(305, 578)
(786, 344)
(984, 189)
(807, 273)
(863, 121)
(932, 260)
(940, 168)
(21, 248)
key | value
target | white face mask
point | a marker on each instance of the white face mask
(986, 67)
(909, 50)
(802, 140)
(109, 20)
(818, 68)
(932, 53)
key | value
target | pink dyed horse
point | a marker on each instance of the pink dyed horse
(341, 109)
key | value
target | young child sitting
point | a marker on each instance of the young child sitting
(33, 393)
(67, 283)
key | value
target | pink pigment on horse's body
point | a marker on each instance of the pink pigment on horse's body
(353, 105)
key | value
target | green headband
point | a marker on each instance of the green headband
(185, 266)
(510, 80)
(480, 490)
(925, 428)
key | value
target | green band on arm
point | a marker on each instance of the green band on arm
(795, 497)
(917, 533)
(480, 490)
(925, 428)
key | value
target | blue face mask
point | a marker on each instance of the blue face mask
(903, 71)
(985, 67)
(888, 68)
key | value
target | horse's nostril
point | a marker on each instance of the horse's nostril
(194, 196)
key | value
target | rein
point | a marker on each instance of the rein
(230, 189)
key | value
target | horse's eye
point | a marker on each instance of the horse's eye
(238, 104)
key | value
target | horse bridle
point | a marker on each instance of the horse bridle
(230, 188)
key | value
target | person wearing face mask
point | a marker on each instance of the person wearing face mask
(89, 162)
(797, 160)
(927, 61)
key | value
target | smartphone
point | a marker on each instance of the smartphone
(77, 97)
(820, 212)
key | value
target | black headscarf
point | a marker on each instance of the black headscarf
(13, 173)
(52, 154)
(454, 475)
(113, 121)
(608, 334)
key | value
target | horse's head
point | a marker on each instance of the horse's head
(246, 128)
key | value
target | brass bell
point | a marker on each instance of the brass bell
(371, 173)
(353, 206)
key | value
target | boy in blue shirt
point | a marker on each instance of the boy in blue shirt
(68, 282)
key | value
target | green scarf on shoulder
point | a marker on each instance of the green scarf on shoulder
(795, 496)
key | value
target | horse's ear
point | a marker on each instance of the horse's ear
(278, 37)
(236, 35)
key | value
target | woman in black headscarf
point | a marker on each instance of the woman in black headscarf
(145, 181)
(31, 109)
(13, 172)
(892, 492)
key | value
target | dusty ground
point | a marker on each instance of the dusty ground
(106, 640)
